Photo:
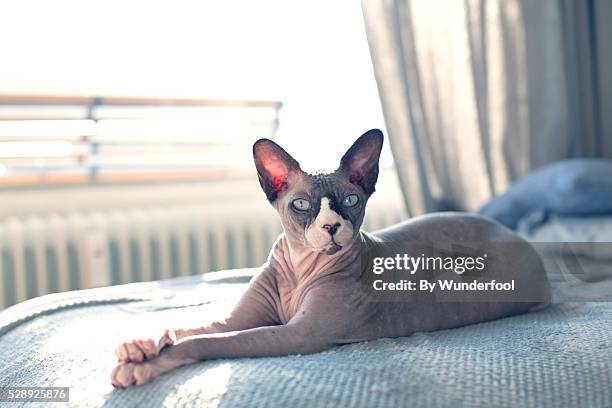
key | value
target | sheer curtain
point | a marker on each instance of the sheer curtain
(476, 93)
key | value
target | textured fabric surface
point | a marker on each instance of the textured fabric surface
(558, 357)
(580, 246)
(594, 233)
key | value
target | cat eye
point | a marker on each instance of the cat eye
(350, 200)
(301, 205)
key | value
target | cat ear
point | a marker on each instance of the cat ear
(360, 162)
(273, 167)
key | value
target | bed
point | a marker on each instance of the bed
(559, 356)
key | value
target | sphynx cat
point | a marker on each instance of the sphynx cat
(315, 291)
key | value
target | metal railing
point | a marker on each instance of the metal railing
(71, 139)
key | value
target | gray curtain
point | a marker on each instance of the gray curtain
(477, 93)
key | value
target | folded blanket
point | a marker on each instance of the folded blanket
(559, 356)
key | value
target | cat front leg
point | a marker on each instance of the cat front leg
(255, 308)
(258, 342)
(316, 326)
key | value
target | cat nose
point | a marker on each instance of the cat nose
(331, 228)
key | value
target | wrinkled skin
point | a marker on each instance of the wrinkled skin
(314, 291)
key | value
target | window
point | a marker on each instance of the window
(66, 140)
(313, 57)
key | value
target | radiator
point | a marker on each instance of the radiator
(41, 255)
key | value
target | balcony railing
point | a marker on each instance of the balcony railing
(50, 140)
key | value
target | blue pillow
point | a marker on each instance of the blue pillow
(568, 187)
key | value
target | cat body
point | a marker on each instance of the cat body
(319, 288)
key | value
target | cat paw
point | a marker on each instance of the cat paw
(127, 374)
(137, 351)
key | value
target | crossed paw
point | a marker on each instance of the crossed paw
(137, 360)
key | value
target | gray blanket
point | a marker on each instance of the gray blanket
(558, 357)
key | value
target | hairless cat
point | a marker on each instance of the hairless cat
(315, 291)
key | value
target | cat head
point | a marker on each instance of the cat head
(322, 211)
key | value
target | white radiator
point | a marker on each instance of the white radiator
(59, 253)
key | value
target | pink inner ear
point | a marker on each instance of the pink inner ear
(278, 172)
(357, 164)
(279, 182)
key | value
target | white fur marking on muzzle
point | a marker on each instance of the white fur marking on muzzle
(317, 233)
(326, 215)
